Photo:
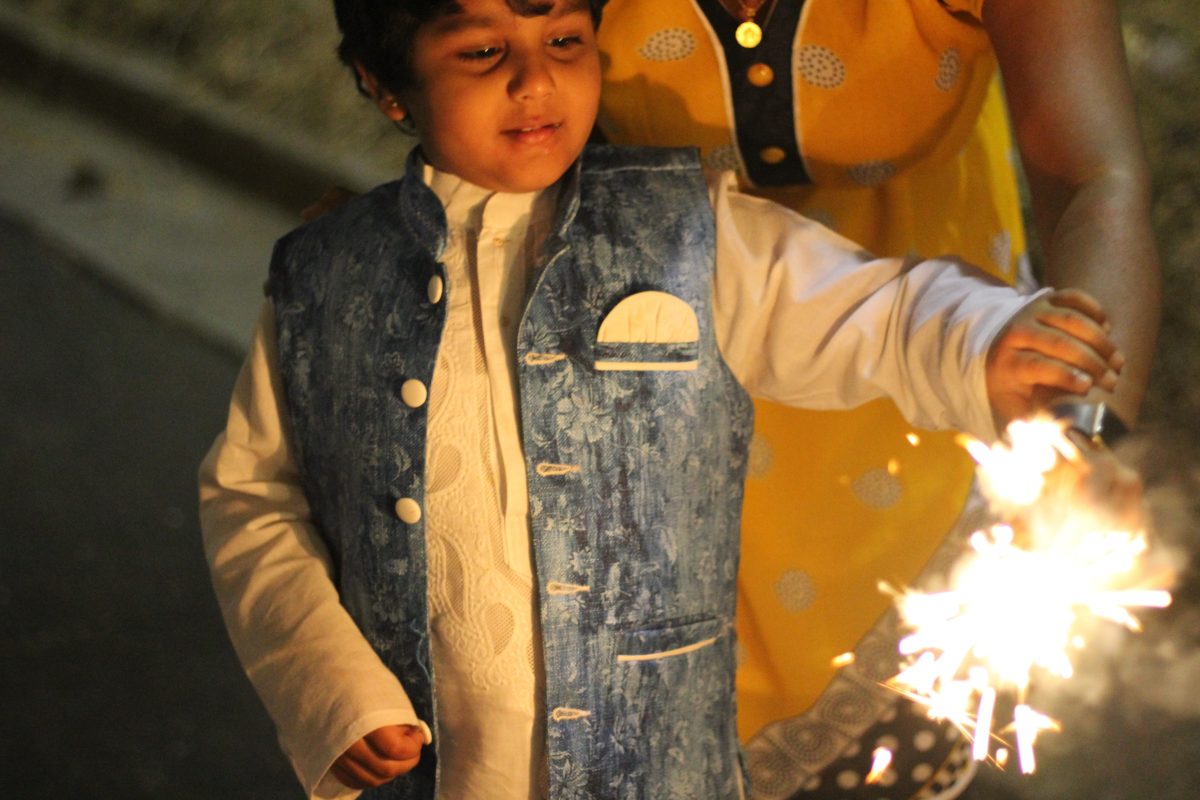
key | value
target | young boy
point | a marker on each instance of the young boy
(483, 465)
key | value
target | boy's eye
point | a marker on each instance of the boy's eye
(566, 41)
(482, 54)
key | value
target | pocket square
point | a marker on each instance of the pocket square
(648, 331)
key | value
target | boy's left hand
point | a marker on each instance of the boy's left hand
(1056, 345)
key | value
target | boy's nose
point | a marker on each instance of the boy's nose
(531, 80)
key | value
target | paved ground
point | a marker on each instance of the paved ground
(127, 284)
(116, 679)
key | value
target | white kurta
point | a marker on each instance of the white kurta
(802, 316)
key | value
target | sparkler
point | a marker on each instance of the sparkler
(1021, 601)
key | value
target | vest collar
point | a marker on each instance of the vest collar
(421, 211)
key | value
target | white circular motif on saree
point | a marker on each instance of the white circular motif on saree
(949, 68)
(848, 779)
(877, 488)
(669, 44)
(924, 741)
(922, 772)
(871, 173)
(889, 741)
(1000, 250)
(723, 157)
(795, 590)
(820, 66)
(761, 458)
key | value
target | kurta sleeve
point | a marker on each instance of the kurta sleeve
(321, 682)
(806, 318)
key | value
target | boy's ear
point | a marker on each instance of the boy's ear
(388, 103)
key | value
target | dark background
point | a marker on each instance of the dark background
(115, 676)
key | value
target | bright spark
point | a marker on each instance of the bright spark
(1020, 601)
(843, 660)
(881, 759)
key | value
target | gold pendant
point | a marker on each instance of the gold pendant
(748, 34)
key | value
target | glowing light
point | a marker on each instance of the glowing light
(881, 759)
(843, 660)
(913, 439)
(1024, 597)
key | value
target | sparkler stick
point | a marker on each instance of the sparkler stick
(1020, 601)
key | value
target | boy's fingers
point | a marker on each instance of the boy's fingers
(1031, 368)
(1080, 301)
(345, 778)
(353, 774)
(1077, 326)
(366, 764)
(1048, 344)
(396, 742)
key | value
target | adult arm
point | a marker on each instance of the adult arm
(1073, 115)
(321, 682)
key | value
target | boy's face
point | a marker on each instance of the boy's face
(502, 100)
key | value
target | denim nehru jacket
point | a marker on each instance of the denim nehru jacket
(635, 452)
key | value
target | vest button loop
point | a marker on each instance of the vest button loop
(408, 510)
(435, 289)
(413, 393)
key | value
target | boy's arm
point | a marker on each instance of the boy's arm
(806, 318)
(321, 682)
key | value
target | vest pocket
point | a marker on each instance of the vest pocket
(671, 704)
(648, 330)
(654, 644)
(645, 356)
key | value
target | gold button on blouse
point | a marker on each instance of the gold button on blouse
(772, 155)
(760, 75)
(749, 35)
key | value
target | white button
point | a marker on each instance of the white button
(414, 393)
(499, 241)
(408, 510)
(436, 288)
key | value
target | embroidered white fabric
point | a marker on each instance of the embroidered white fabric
(481, 593)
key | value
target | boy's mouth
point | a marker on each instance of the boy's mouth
(534, 133)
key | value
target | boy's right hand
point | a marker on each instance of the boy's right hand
(380, 756)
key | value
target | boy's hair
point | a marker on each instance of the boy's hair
(379, 33)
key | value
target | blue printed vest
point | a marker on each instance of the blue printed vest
(634, 468)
